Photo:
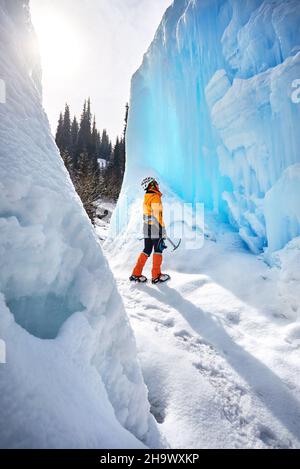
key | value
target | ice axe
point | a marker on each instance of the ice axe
(175, 246)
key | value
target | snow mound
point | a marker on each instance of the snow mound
(287, 261)
(72, 378)
(218, 94)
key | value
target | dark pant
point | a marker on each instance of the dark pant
(151, 244)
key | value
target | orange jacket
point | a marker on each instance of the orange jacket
(153, 209)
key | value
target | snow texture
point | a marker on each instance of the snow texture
(221, 113)
(219, 348)
(215, 114)
(71, 377)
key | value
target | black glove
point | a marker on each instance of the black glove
(162, 245)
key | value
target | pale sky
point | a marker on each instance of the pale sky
(92, 48)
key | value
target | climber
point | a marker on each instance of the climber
(154, 234)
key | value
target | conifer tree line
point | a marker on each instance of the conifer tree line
(81, 146)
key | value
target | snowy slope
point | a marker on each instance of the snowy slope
(213, 115)
(219, 344)
(71, 377)
(221, 113)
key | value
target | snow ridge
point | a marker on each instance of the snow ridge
(72, 378)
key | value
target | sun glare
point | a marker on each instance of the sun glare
(60, 47)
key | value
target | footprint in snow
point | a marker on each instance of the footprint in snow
(156, 307)
(195, 343)
(233, 317)
(293, 335)
(164, 322)
(183, 334)
(270, 439)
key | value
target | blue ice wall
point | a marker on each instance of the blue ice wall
(214, 111)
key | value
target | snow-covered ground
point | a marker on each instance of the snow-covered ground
(219, 350)
(214, 114)
(105, 209)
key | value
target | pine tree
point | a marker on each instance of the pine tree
(85, 133)
(88, 118)
(87, 184)
(105, 150)
(74, 140)
(82, 131)
(117, 159)
(81, 145)
(59, 132)
(66, 130)
(122, 157)
(113, 174)
(126, 119)
(95, 141)
(123, 143)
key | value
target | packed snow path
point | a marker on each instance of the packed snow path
(216, 349)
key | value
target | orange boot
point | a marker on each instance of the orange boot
(138, 270)
(157, 276)
(156, 267)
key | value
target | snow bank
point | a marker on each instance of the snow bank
(282, 208)
(72, 376)
(287, 261)
(218, 94)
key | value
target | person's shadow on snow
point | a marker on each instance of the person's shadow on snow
(266, 385)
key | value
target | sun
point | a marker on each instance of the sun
(60, 46)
